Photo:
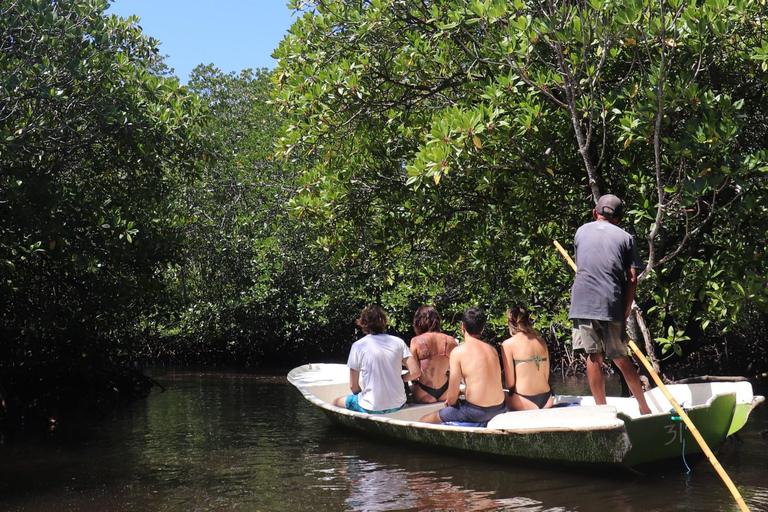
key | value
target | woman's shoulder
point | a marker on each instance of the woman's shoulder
(516, 339)
(431, 337)
(419, 338)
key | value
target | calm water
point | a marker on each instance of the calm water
(228, 441)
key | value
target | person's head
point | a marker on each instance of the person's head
(473, 321)
(426, 319)
(609, 207)
(519, 320)
(373, 320)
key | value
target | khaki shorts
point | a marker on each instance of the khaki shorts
(600, 336)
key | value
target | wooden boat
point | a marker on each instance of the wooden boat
(574, 433)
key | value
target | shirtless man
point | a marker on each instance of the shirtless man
(478, 363)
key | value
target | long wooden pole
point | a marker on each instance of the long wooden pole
(680, 412)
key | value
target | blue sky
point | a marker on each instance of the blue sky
(231, 34)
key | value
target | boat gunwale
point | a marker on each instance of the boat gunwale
(619, 425)
(626, 421)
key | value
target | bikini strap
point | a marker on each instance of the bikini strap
(445, 347)
(535, 359)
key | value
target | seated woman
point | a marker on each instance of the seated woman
(526, 364)
(375, 367)
(431, 349)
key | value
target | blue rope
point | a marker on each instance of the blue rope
(678, 418)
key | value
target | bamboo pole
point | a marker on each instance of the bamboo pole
(699, 439)
(565, 254)
(680, 412)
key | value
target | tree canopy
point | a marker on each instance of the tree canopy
(473, 133)
(93, 147)
(402, 152)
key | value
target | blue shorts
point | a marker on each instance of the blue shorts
(352, 405)
(466, 412)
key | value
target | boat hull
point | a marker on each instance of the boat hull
(613, 435)
(597, 448)
(664, 437)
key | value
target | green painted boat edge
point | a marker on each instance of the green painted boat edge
(728, 416)
(746, 400)
(741, 413)
(660, 436)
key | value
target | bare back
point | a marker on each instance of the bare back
(432, 350)
(478, 363)
(526, 364)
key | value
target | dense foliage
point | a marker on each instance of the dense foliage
(93, 147)
(403, 152)
(250, 287)
(449, 143)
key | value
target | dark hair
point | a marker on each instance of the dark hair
(426, 319)
(373, 320)
(518, 320)
(474, 320)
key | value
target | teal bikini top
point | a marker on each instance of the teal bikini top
(535, 359)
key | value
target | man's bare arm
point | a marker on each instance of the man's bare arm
(629, 294)
(414, 372)
(454, 380)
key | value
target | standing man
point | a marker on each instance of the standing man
(602, 296)
(477, 363)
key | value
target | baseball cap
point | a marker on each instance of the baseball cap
(609, 206)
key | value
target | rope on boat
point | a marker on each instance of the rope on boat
(682, 436)
(684, 461)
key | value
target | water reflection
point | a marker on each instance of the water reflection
(443, 495)
(244, 442)
(372, 486)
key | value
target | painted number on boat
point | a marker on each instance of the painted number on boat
(675, 431)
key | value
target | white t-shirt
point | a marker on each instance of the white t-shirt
(379, 359)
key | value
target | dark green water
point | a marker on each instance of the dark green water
(229, 441)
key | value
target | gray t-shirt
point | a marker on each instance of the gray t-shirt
(604, 252)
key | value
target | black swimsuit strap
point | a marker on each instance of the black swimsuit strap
(434, 392)
(540, 400)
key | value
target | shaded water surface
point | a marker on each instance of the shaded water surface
(232, 441)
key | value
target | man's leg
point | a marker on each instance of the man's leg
(629, 371)
(433, 417)
(595, 377)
